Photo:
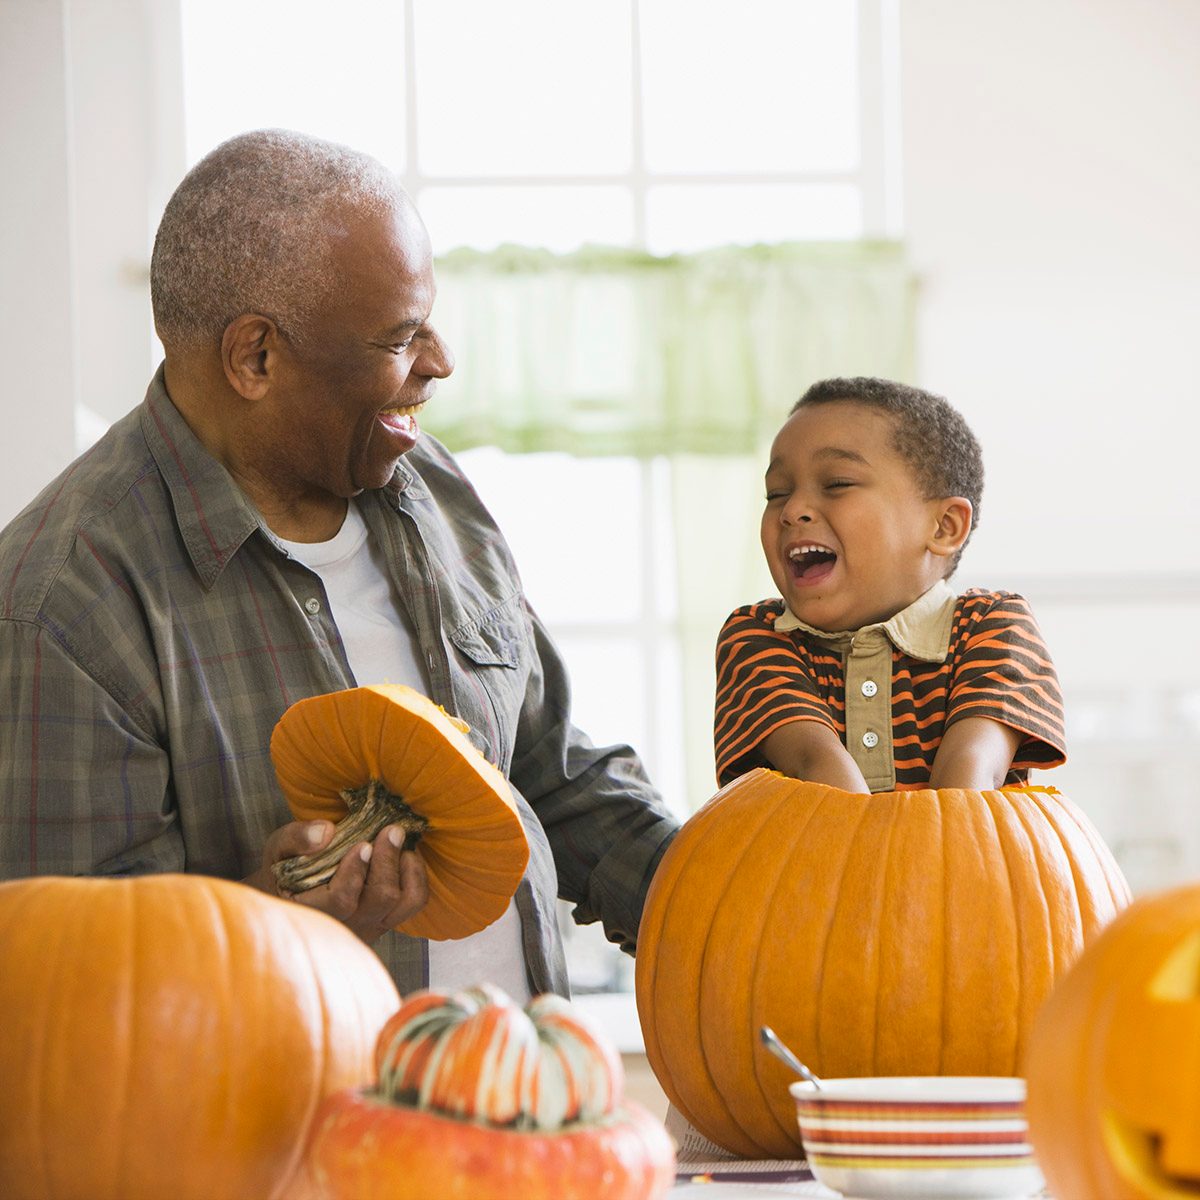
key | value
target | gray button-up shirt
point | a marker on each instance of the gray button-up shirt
(153, 630)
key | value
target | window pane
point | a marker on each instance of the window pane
(680, 218)
(554, 218)
(575, 528)
(524, 87)
(329, 70)
(765, 86)
(608, 688)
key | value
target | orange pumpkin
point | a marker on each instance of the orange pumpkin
(908, 933)
(172, 1035)
(1113, 1104)
(369, 756)
(478, 1099)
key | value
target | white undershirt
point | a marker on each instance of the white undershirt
(381, 646)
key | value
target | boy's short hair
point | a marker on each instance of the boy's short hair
(928, 433)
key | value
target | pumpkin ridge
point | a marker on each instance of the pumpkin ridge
(889, 869)
(1058, 959)
(1054, 813)
(675, 1034)
(755, 1005)
(1118, 888)
(127, 1086)
(943, 994)
(467, 877)
(849, 840)
(712, 1025)
(1015, 892)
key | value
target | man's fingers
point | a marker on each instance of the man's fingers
(414, 887)
(297, 837)
(341, 896)
(375, 887)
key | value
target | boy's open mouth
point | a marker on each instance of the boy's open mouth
(811, 563)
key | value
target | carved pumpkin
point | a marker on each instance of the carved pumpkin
(1113, 1103)
(172, 1036)
(372, 756)
(908, 933)
(478, 1099)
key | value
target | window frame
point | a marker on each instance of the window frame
(877, 176)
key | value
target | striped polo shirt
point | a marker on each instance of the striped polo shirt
(889, 691)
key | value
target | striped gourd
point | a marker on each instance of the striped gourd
(479, 1099)
(475, 1054)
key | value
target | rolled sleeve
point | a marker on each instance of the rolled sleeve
(606, 824)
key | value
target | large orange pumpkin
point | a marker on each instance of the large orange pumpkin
(907, 933)
(388, 754)
(478, 1099)
(1113, 1063)
(172, 1036)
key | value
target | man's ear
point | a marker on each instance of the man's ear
(952, 524)
(249, 347)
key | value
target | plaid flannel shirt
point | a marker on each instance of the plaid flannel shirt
(153, 630)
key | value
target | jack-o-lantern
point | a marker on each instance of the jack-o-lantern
(1113, 1062)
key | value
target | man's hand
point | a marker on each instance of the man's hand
(375, 887)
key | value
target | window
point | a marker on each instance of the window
(663, 125)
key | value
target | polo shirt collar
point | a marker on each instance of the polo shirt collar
(922, 630)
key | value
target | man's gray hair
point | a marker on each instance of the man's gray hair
(247, 231)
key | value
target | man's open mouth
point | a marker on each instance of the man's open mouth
(811, 562)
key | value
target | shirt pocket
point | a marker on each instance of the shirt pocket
(490, 677)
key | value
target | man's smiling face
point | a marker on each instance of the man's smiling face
(346, 401)
(846, 532)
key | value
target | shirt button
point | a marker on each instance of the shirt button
(870, 739)
(869, 687)
(313, 606)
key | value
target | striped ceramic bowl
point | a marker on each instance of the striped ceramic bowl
(934, 1136)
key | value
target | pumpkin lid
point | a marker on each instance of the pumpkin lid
(326, 747)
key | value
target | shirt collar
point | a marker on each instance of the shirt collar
(214, 516)
(922, 630)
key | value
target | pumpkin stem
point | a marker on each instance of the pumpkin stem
(371, 807)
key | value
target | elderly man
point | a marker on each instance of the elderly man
(271, 524)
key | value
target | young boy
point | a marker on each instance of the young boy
(870, 673)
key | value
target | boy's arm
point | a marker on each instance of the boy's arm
(810, 750)
(975, 753)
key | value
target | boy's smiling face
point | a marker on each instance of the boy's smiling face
(847, 532)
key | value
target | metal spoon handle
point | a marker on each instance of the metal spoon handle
(776, 1047)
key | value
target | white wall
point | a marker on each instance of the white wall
(91, 143)
(1051, 194)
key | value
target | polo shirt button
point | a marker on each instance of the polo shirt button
(869, 687)
(870, 739)
(313, 606)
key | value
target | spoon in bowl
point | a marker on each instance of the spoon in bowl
(771, 1040)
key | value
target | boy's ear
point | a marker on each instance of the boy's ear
(952, 524)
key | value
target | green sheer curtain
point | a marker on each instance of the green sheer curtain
(693, 357)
